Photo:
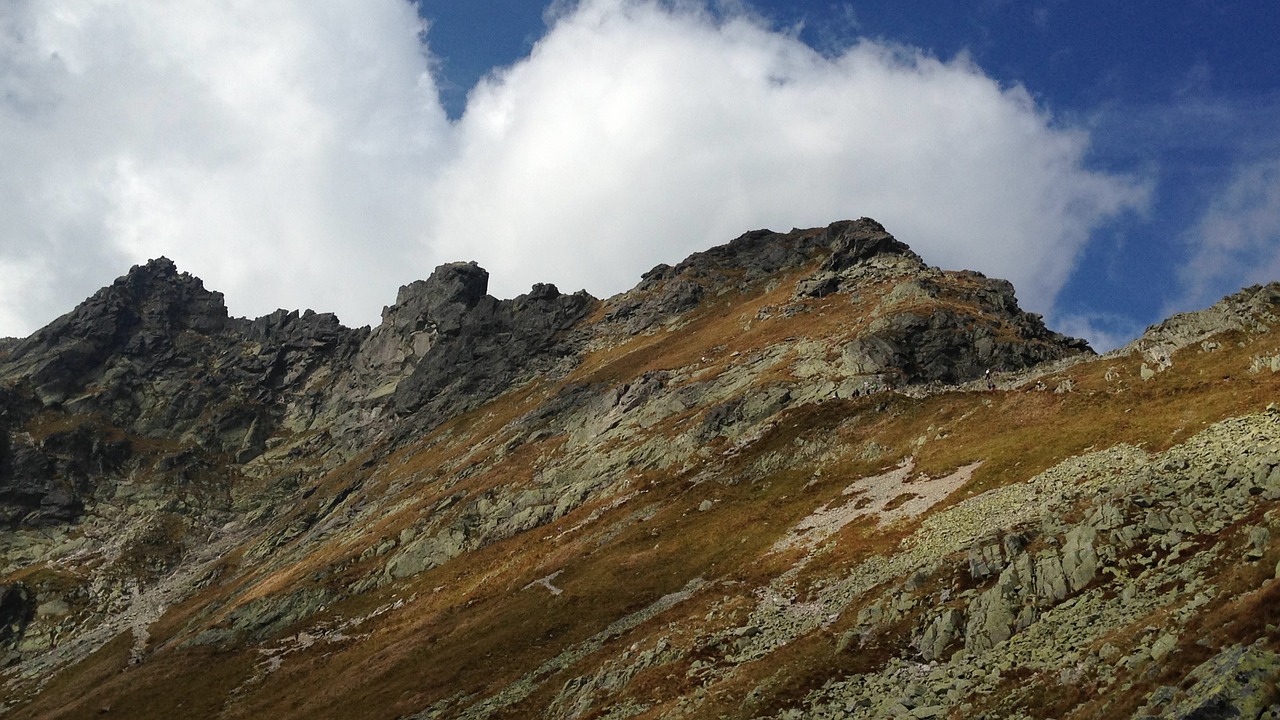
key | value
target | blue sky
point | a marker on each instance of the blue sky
(1116, 161)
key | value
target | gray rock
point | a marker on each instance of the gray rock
(483, 346)
(1183, 521)
(1079, 558)
(1259, 539)
(1241, 311)
(1164, 645)
(990, 621)
(984, 560)
(157, 354)
(264, 618)
(1106, 517)
(53, 607)
(1236, 683)
(945, 629)
(45, 483)
(426, 553)
(1051, 582)
(1158, 521)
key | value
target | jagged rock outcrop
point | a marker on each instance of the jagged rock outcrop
(481, 346)
(155, 353)
(147, 322)
(1252, 308)
(929, 326)
(411, 326)
(667, 291)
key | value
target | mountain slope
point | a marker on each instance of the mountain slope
(770, 481)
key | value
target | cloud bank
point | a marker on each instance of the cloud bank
(295, 154)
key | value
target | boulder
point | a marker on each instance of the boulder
(990, 621)
(984, 560)
(1106, 517)
(1051, 582)
(1079, 558)
(947, 627)
(426, 553)
(1259, 539)
(1238, 682)
(1163, 645)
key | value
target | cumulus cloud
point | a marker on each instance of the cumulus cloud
(274, 148)
(635, 133)
(296, 154)
(1237, 240)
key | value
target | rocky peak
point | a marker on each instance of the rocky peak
(163, 300)
(763, 253)
(854, 241)
(446, 346)
(289, 327)
(463, 283)
(757, 256)
(140, 316)
(1252, 309)
(452, 288)
(481, 346)
(423, 310)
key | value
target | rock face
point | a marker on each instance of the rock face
(156, 354)
(136, 326)
(1252, 308)
(16, 612)
(480, 346)
(771, 481)
(44, 483)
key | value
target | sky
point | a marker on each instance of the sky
(1117, 161)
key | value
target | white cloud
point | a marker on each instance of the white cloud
(1236, 242)
(274, 148)
(635, 134)
(295, 153)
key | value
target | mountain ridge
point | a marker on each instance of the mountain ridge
(800, 472)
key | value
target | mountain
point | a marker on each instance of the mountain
(800, 474)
